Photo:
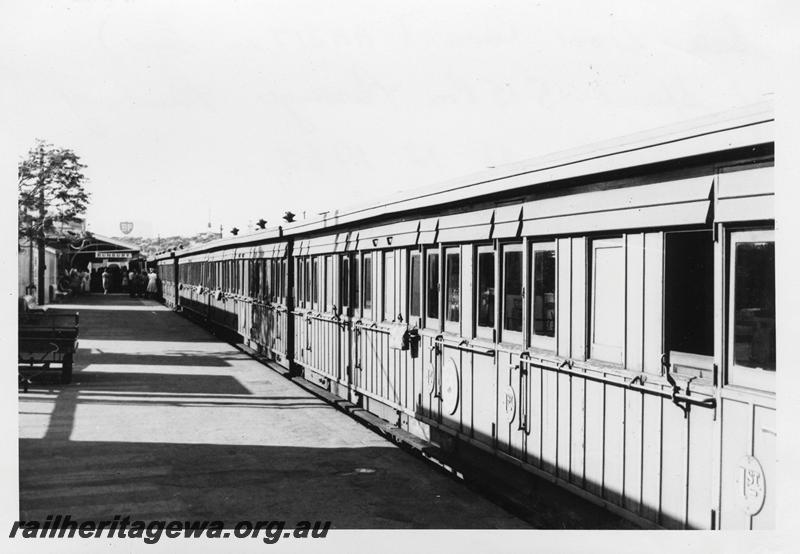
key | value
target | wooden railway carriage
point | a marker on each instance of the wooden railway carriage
(603, 318)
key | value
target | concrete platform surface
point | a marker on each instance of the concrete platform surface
(164, 421)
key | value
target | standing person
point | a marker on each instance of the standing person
(124, 278)
(86, 284)
(75, 282)
(152, 284)
(106, 280)
(142, 279)
(132, 282)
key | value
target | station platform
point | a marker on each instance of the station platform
(164, 421)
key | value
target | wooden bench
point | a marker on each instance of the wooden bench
(46, 338)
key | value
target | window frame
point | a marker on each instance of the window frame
(483, 331)
(344, 283)
(389, 316)
(414, 253)
(743, 376)
(432, 322)
(450, 326)
(543, 342)
(509, 336)
(368, 312)
(601, 352)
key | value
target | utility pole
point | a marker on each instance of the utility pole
(40, 237)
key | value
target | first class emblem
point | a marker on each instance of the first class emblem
(509, 403)
(751, 485)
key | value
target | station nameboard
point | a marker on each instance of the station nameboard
(113, 254)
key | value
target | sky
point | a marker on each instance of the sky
(190, 113)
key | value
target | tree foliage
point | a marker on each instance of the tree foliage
(51, 191)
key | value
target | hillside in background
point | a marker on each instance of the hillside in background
(150, 246)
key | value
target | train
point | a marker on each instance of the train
(603, 318)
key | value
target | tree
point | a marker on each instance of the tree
(50, 182)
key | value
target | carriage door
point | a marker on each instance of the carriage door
(747, 397)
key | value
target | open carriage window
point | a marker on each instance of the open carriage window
(689, 302)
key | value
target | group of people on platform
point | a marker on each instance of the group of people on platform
(137, 283)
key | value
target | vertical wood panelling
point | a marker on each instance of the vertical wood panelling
(653, 299)
(564, 427)
(614, 436)
(536, 419)
(699, 502)
(634, 320)
(564, 297)
(595, 428)
(764, 438)
(736, 444)
(578, 315)
(550, 420)
(633, 450)
(578, 430)
(485, 388)
(673, 472)
(651, 457)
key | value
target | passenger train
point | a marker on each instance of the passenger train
(603, 318)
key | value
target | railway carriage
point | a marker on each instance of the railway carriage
(604, 318)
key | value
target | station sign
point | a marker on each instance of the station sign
(113, 255)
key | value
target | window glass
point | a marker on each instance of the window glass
(512, 289)
(414, 308)
(608, 300)
(368, 285)
(453, 286)
(356, 283)
(344, 281)
(301, 289)
(330, 300)
(753, 323)
(486, 289)
(315, 282)
(432, 290)
(388, 286)
(544, 291)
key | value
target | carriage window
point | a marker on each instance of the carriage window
(689, 302)
(512, 293)
(367, 285)
(388, 286)
(356, 283)
(485, 292)
(414, 284)
(752, 319)
(608, 300)
(544, 295)
(315, 282)
(432, 289)
(301, 289)
(344, 281)
(330, 299)
(452, 285)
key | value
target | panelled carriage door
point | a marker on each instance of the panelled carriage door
(748, 427)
